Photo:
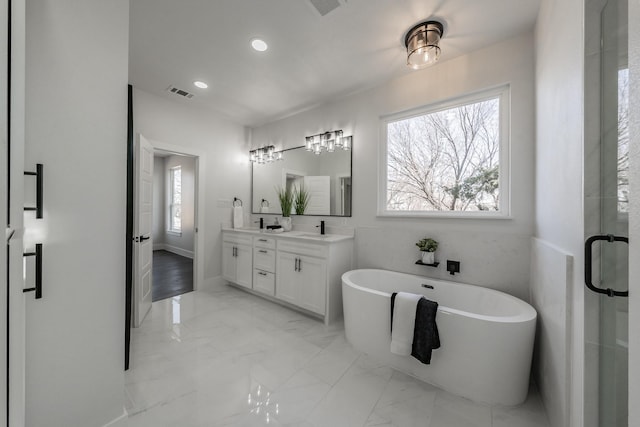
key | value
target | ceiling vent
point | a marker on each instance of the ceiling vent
(325, 6)
(180, 92)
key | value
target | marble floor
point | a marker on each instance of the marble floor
(228, 358)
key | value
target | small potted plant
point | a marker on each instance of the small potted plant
(301, 199)
(286, 196)
(428, 247)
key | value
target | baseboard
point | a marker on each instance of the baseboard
(121, 421)
(213, 283)
(173, 249)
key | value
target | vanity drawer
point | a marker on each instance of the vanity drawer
(264, 259)
(240, 238)
(301, 248)
(264, 282)
(264, 242)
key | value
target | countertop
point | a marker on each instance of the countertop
(297, 235)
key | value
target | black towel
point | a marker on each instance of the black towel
(425, 331)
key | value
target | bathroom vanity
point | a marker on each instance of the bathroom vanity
(297, 269)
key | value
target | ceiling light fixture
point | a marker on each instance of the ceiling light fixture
(201, 85)
(422, 42)
(259, 45)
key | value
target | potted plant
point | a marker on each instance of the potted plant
(428, 246)
(301, 199)
(285, 195)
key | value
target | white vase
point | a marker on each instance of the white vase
(286, 223)
(428, 257)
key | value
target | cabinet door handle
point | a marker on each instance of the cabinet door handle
(262, 251)
(262, 273)
(295, 268)
(39, 174)
(299, 264)
(262, 240)
(235, 251)
(38, 286)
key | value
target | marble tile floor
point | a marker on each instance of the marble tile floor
(228, 358)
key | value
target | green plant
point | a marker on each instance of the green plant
(302, 197)
(285, 195)
(427, 245)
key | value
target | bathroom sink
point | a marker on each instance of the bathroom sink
(308, 235)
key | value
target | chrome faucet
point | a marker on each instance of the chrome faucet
(321, 227)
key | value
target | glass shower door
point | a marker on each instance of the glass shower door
(609, 250)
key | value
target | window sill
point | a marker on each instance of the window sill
(442, 215)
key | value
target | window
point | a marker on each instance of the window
(175, 198)
(623, 140)
(449, 159)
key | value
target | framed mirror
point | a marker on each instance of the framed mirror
(327, 178)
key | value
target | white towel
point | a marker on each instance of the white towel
(237, 217)
(404, 320)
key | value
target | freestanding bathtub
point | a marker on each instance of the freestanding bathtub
(486, 336)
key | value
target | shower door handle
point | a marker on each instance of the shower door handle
(588, 248)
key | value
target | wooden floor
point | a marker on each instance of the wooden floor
(172, 275)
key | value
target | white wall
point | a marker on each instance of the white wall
(181, 244)
(559, 191)
(76, 110)
(225, 147)
(634, 216)
(494, 253)
(159, 228)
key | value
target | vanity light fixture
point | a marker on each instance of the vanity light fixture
(422, 42)
(266, 154)
(327, 141)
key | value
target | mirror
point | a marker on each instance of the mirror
(327, 177)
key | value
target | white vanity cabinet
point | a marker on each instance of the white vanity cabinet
(302, 279)
(264, 265)
(237, 259)
(300, 270)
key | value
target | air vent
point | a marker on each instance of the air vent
(180, 92)
(325, 6)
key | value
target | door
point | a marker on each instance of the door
(606, 253)
(286, 277)
(319, 188)
(143, 252)
(244, 265)
(229, 261)
(312, 282)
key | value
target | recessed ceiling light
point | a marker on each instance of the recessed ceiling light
(259, 45)
(201, 85)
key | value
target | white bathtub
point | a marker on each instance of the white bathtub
(486, 336)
